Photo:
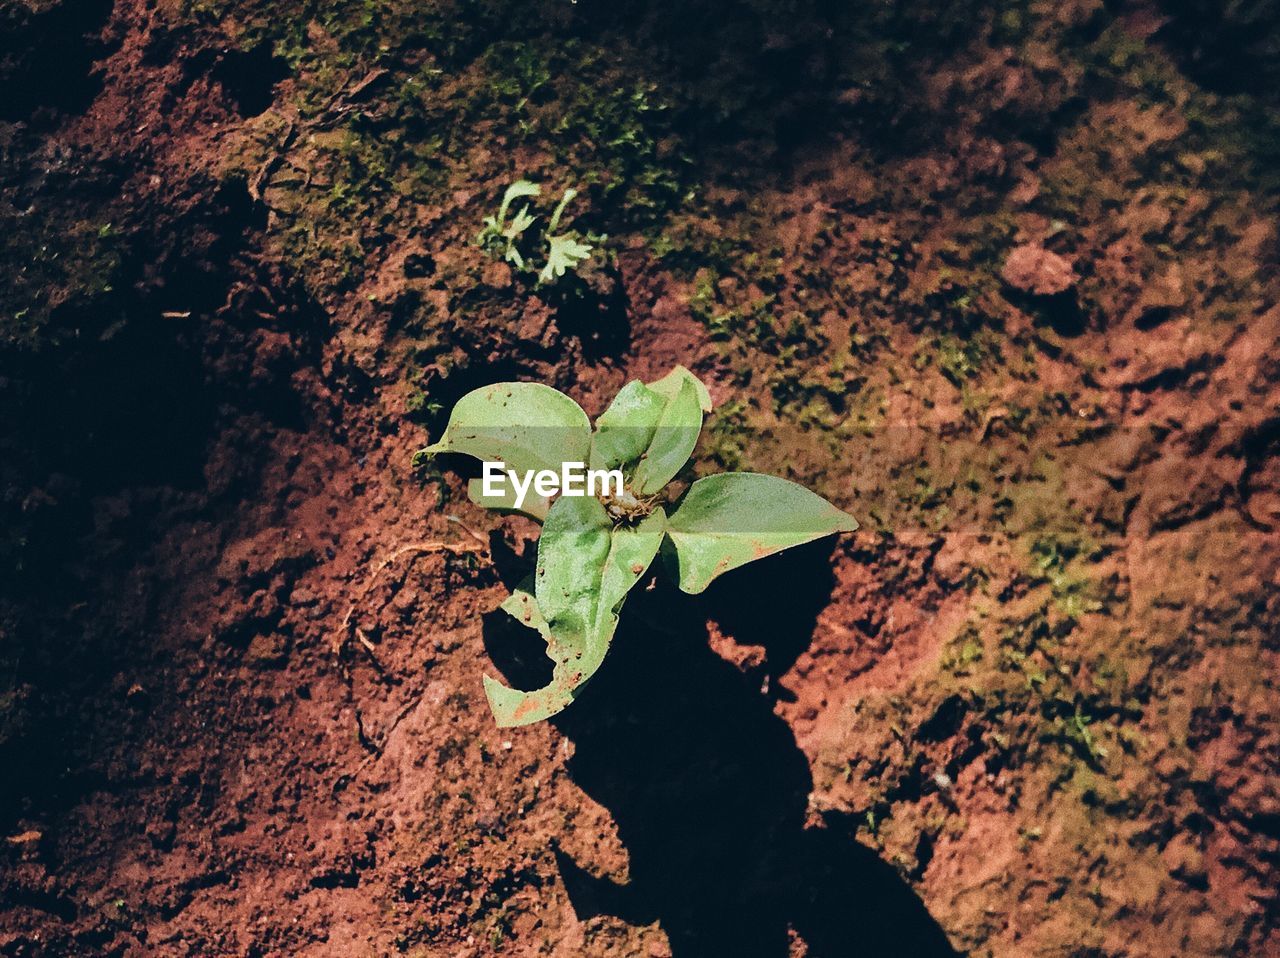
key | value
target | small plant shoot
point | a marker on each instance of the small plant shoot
(594, 548)
(515, 238)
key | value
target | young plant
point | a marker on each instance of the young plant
(511, 237)
(595, 548)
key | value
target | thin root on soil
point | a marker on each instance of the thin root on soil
(349, 628)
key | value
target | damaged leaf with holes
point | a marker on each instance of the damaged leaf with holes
(594, 550)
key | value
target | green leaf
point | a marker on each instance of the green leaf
(514, 192)
(534, 505)
(669, 385)
(624, 430)
(627, 432)
(554, 223)
(673, 440)
(631, 551)
(572, 550)
(586, 567)
(522, 221)
(527, 426)
(563, 252)
(728, 520)
(522, 605)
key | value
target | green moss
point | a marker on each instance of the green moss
(57, 268)
(1056, 559)
(960, 359)
(963, 652)
(396, 103)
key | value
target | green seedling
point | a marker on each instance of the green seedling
(595, 548)
(513, 237)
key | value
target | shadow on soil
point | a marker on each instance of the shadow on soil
(709, 789)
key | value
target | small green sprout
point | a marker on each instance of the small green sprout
(595, 548)
(498, 237)
(509, 236)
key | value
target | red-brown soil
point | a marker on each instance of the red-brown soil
(1003, 283)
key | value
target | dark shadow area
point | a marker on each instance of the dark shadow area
(250, 77)
(592, 307)
(47, 52)
(786, 78)
(247, 76)
(785, 82)
(709, 789)
(105, 439)
(128, 400)
(518, 653)
(132, 410)
(764, 603)
(753, 73)
(1261, 450)
(1061, 312)
(1226, 47)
